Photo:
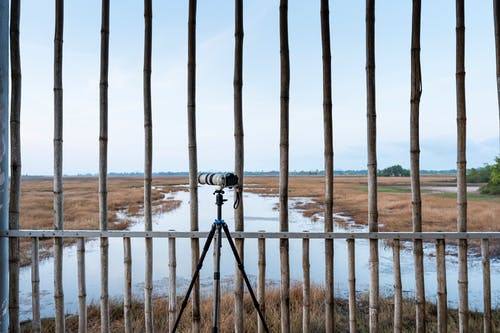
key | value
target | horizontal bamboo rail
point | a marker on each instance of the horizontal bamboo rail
(431, 236)
(438, 237)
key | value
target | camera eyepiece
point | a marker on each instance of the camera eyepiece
(218, 179)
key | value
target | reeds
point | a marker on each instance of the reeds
(317, 323)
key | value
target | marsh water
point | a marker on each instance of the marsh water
(260, 214)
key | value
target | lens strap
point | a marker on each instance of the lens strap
(237, 197)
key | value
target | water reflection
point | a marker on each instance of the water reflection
(260, 214)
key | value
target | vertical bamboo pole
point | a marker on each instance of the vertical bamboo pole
(36, 325)
(442, 306)
(485, 252)
(82, 290)
(463, 308)
(416, 92)
(148, 153)
(306, 291)
(496, 21)
(172, 298)
(352, 284)
(398, 288)
(283, 183)
(103, 163)
(15, 166)
(261, 282)
(58, 182)
(127, 293)
(193, 159)
(239, 158)
(4, 161)
(328, 153)
(372, 163)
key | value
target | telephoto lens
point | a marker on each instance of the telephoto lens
(218, 179)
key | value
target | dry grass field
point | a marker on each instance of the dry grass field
(439, 212)
(81, 204)
(317, 305)
(394, 201)
(81, 201)
(350, 198)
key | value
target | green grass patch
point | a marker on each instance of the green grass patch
(472, 196)
(393, 189)
(388, 189)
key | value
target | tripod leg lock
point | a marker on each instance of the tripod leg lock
(216, 276)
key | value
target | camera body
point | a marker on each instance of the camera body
(218, 179)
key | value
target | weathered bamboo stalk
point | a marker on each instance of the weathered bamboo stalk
(148, 156)
(239, 159)
(442, 307)
(148, 285)
(328, 153)
(283, 179)
(463, 308)
(103, 162)
(36, 325)
(127, 293)
(261, 282)
(58, 181)
(485, 252)
(306, 291)
(372, 164)
(398, 288)
(496, 21)
(463, 293)
(193, 159)
(172, 296)
(82, 290)
(15, 164)
(351, 257)
(104, 301)
(416, 92)
(4, 164)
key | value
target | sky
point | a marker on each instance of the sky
(261, 85)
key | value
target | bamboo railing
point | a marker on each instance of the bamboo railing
(263, 237)
(15, 169)
(58, 165)
(238, 157)
(193, 157)
(328, 157)
(284, 165)
(4, 165)
(371, 116)
(328, 236)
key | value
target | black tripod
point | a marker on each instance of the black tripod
(217, 226)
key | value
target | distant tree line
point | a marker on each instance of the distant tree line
(349, 172)
(394, 171)
(489, 174)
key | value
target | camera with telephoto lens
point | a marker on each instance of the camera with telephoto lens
(218, 179)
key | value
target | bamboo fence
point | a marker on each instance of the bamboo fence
(328, 236)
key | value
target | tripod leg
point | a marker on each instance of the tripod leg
(217, 279)
(195, 276)
(245, 277)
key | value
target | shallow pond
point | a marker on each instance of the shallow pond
(259, 215)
